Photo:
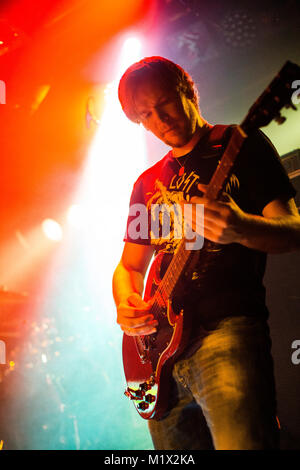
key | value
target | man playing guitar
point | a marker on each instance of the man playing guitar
(223, 392)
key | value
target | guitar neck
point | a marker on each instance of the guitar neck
(182, 258)
(226, 163)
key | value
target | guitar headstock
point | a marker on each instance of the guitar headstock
(276, 96)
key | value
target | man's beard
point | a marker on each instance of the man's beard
(179, 140)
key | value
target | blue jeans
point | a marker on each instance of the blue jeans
(225, 393)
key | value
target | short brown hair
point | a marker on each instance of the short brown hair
(166, 71)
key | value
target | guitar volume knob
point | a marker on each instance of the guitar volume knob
(143, 406)
(145, 386)
(149, 398)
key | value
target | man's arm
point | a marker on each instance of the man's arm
(128, 283)
(276, 231)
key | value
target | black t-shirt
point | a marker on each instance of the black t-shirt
(230, 282)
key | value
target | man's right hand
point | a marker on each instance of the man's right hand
(134, 317)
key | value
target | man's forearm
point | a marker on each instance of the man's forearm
(272, 235)
(126, 282)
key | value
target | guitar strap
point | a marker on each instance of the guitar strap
(220, 135)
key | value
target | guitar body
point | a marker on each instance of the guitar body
(148, 360)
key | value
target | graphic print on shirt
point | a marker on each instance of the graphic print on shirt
(163, 205)
(168, 201)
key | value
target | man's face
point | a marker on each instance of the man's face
(169, 115)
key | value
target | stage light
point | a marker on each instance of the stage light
(40, 95)
(239, 29)
(44, 358)
(76, 216)
(116, 156)
(52, 230)
(131, 51)
(132, 46)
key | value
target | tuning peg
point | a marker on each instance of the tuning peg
(280, 119)
(291, 105)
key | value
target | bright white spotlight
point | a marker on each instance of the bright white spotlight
(132, 46)
(131, 52)
(116, 157)
(52, 230)
(76, 216)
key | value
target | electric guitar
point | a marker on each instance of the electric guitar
(148, 360)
